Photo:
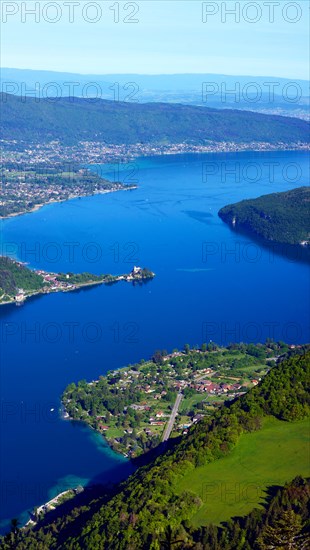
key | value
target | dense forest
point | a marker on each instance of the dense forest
(149, 512)
(14, 275)
(279, 217)
(71, 120)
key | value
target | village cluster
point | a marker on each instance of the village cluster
(36, 174)
(175, 393)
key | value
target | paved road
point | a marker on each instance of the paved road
(170, 423)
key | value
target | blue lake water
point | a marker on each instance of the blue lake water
(211, 284)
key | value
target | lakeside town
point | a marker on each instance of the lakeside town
(33, 175)
(27, 190)
(138, 407)
(92, 152)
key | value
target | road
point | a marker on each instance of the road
(171, 420)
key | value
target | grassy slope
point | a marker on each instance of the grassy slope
(234, 485)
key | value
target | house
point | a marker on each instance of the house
(20, 296)
(197, 418)
(172, 355)
(137, 407)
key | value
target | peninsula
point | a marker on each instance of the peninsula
(137, 407)
(17, 282)
(278, 217)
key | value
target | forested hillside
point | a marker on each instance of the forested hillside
(71, 120)
(14, 275)
(149, 511)
(279, 217)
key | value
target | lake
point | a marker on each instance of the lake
(211, 283)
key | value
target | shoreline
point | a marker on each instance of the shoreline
(50, 505)
(67, 418)
(209, 150)
(54, 201)
(127, 277)
(198, 150)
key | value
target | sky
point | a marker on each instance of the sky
(267, 38)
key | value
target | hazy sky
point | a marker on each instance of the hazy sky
(179, 36)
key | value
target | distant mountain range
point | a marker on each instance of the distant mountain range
(71, 120)
(262, 94)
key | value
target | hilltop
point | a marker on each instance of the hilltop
(72, 120)
(278, 217)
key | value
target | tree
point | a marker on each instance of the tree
(285, 534)
(14, 525)
(168, 539)
(157, 358)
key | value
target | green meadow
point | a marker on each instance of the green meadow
(235, 484)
